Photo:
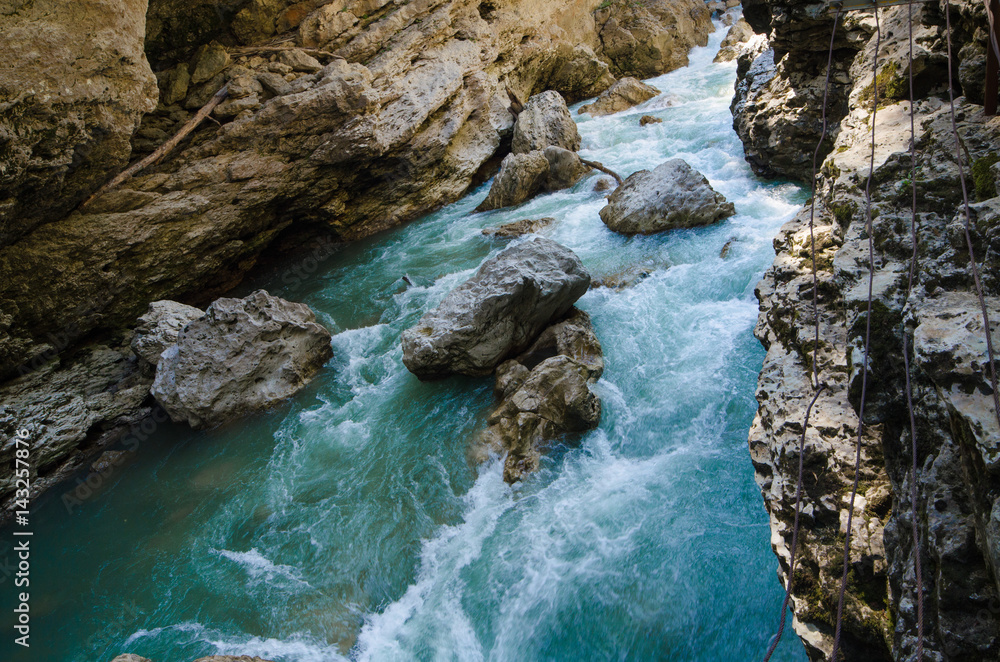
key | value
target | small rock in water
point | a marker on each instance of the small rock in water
(107, 461)
(519, 228)
(241, 356)
(565, 168)
(499, 311)
(604, 184)
(625, 278)
(545, 394)
(724, 253)
(674, 195)
(649, 119)
(624, 94)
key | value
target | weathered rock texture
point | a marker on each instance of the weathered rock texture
(496, 313)
(644, 39)
(159, 327)
(741, 40)
(957, 429)
(545, 394)
(519, 228)
(522, 176)
(408, 105)
(74, 84)
(72, 407)
(671, 196)
(545, 121)
(131, 657)
(624, 94)
(241, 356)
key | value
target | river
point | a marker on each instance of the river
(349, 523)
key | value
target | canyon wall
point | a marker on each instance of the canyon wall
(777, 113)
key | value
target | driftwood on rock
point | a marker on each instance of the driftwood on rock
(605, 170)
(163, 149)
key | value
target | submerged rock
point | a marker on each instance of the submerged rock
(545, 394)
(545, 121)
(649, 119)
(672, 196)
(624, 94)
(626, 277)
(497, 312)
(604, 184)
(519, 228)
(242, 356)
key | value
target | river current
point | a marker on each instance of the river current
(349, 523)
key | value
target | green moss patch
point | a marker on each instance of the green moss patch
(982, 176)
(890, 85)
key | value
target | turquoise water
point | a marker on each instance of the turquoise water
(349, 523)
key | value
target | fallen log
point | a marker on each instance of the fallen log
(163, 149)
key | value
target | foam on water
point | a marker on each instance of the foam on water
(348, 524)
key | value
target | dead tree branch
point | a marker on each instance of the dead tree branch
(163, 149)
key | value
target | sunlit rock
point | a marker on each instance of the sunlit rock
(498, 312)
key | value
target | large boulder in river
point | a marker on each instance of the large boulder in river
(545, 121)
(674, 195)
(545, 394)
(498, 312)
(624, 94)
(243, 355)
(521, 176)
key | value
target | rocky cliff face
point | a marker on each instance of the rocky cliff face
(343, 117)
(777, 113)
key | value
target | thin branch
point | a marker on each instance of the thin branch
(605, 170)
(163, 149)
